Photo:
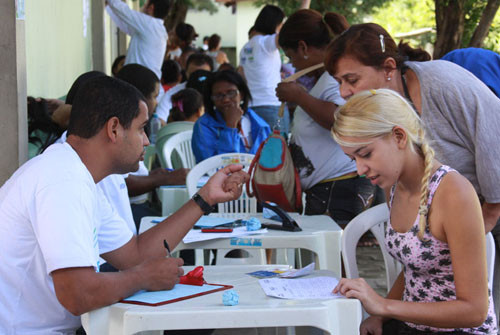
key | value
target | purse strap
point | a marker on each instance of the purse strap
(296, 76)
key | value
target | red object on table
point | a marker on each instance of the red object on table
(193, 277)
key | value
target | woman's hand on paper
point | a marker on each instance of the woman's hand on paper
(359, 289)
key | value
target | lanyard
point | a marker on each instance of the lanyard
(244, 138)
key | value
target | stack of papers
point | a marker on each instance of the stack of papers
(293, 273)
(195, 235)
(307, 288)
(211, 221)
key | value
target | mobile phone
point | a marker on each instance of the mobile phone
(217, 230)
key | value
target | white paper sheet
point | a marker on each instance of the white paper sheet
(306, 288)
(295, 273)
(195, 235)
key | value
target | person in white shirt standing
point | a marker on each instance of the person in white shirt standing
(260, 64)
(147, 31)
(54, 223)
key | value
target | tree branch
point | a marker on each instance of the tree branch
(483, 27)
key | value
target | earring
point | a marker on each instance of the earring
(388, 78)
(306, 56)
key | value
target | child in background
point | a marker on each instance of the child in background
(435, 230)
(170, 74)
(187, 105)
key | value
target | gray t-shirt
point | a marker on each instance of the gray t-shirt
(462, 118)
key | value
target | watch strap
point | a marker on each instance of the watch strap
(205, 207)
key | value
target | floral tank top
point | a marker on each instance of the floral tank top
(427, 266)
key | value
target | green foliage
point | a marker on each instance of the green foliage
(400, 16)
(404, 16)
(353, 10)
(492, 41)
(200, 5)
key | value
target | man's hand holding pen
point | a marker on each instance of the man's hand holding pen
(160, 273)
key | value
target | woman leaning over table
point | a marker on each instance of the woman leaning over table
(460, 113)
(435, 228)
(328, 177)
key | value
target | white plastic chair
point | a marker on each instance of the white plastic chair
(490, 259)
(244, 204)
(374, 219)
(181, 143)
(209, 166)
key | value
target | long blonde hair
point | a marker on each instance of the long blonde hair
(373, 114)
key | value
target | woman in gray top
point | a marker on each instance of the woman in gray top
(461, 114)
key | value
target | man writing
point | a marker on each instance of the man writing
(54, 224)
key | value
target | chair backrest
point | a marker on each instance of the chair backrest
(165, 133)
(372, 219)
(209, 166)
(180, 143)
(149, 156)
(490, 259)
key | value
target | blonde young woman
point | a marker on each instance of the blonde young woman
(435, 229)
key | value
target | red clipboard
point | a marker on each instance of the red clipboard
(217, 288)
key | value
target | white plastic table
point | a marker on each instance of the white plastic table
(172, 198)
(320, 234)
(255, 310)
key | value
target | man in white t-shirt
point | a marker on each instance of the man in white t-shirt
(54, 221)
(147, 31)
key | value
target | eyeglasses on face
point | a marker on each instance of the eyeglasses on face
(230, 94)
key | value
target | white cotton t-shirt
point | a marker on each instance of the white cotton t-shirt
(51, 217)
(115, 190)
(142, 171)
(165, 104)
(261, 62)
(148, 34)
(316, 155)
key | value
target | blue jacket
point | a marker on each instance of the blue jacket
(212, 137)
(483, 63)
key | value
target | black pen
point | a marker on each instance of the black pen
(165, 244)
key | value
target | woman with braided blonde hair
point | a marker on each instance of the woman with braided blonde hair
(435, 229)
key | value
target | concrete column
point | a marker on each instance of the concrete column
(98, 31)
(13, 106)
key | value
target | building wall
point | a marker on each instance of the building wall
(57, 49)
(233, 28)
(246, 15)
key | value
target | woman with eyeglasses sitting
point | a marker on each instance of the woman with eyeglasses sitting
(228, 125)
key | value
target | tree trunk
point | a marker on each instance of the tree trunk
(176, 15)
(483, 27)
(450, 21)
